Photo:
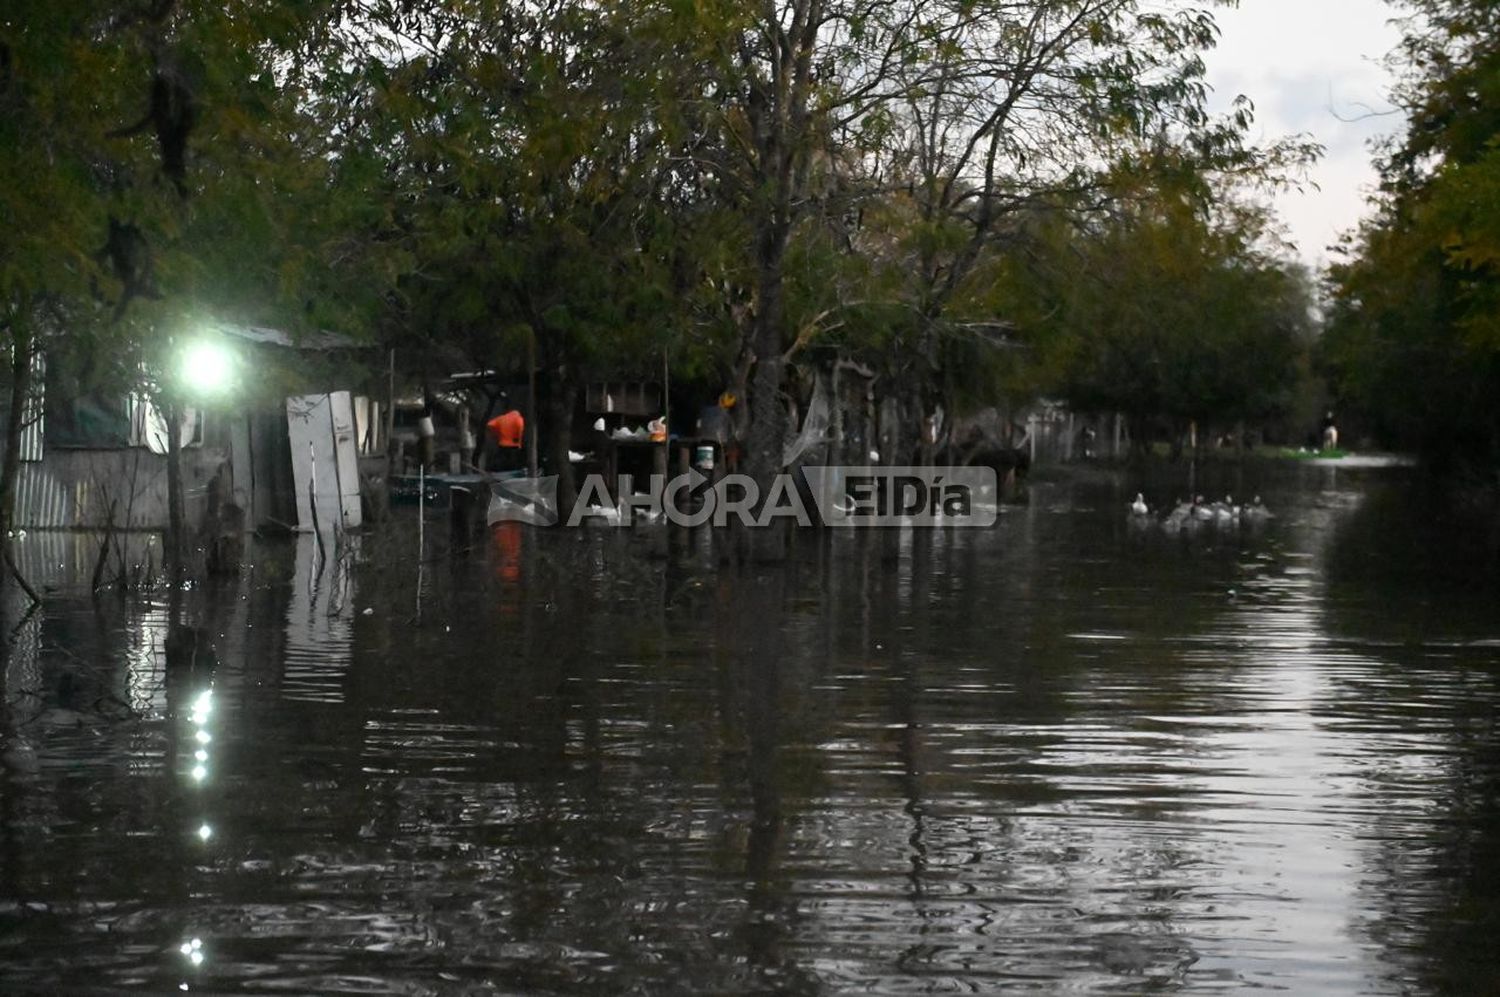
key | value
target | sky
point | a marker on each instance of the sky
(1312, 67)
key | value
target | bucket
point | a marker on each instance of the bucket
(703, 458)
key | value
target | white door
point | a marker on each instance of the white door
(325, 470)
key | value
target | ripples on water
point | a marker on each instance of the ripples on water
(1063, 756)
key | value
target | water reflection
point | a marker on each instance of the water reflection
(1070, 754)
(319, 619)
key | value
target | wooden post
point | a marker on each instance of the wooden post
(659, 458)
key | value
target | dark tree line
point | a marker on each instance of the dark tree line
(972, 199)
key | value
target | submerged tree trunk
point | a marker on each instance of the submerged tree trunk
(20, 391)
(561, 400)
(175, 539)
(767, 414)
(22, 347)
(766, 439)
(781, 135)
(1140, 436)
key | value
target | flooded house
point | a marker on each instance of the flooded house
(283, 433)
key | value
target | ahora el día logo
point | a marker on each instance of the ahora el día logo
(835, 496)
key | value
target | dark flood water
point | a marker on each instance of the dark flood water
(1067, 755)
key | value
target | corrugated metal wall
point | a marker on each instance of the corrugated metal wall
(41, 500)
(88, 489)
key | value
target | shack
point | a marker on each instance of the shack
(291, 439)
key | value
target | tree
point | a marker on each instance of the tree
(918, 133)
(147, 149)
(1169, 312)
(535, 206)
(1413, 340)
(1015, 115)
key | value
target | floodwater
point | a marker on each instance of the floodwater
(1067, 755)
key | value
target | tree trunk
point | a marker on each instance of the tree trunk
(768, 420)
(175, 539)
(22, 347)
(915, 447)
(20, 390)
(1139, 432)
(767, 414)
(562, 399)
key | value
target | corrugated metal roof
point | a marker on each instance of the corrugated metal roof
(315, 340)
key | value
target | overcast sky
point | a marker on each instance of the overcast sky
(1307, 64)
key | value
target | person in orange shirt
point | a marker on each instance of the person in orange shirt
(508, 431)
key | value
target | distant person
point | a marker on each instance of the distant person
(1330, 433)
(508, 432)
(716, 422)
(713, 423)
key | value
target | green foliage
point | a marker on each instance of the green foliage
(1414, 338)
(1164, 312)
(528, 187)
(998, 118)
(605, 183)
(157, 175)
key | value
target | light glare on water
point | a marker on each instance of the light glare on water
(1071, 754)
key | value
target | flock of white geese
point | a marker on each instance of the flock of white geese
(1199, 511)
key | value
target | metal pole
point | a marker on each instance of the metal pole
(531, 462)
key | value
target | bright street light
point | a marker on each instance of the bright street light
(206, 367)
